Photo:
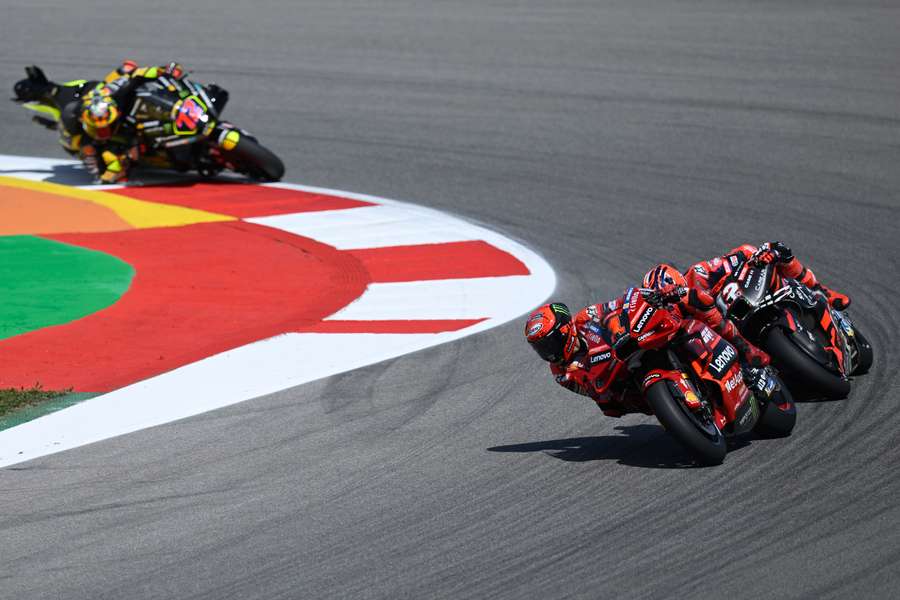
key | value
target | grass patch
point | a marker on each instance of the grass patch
(12, 399)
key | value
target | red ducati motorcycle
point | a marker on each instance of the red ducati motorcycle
(690, 378)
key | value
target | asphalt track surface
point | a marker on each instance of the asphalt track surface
(606, 136)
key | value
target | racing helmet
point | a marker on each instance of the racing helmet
(551, 333)
(99, 112)
(662, 275)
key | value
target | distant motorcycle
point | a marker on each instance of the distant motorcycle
(177, 124)
(690, 378)
(816, 347)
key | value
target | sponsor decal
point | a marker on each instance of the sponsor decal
(707, 335)
(700, 271)
(592, 312)
(611, 305)
(602, 357)
(643, 320)
(629, 295)
(723, 359)
(560, 308)
(755, 279)
(733, 381)
(734, 260)
(644, 336)
(535, 328)
(649, 378)
(594, 328)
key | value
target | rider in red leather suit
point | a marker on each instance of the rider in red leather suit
(580, 353)
(710, 275)
(697, 302)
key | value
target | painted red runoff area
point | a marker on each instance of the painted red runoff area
(197, 291)
(239, 199)
(452, 260)
(206, 288)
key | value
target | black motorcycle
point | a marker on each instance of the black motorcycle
(174, 123)
(815, 347)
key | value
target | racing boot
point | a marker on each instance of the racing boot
(793, 268)
(752, 355)
(837, 300)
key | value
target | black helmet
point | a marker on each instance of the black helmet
(551, 333)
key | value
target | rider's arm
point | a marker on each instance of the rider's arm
(571, 376)
(702, 306)
(574, 378)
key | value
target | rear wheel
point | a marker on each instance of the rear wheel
(254, 159)
(801, 370)
(701, 437)
(779, 415)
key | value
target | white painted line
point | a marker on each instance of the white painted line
(288, 360)
(372, 227)
(71, 172)
(275, 364)
(442, 299)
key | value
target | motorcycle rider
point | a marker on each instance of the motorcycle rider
(711, 275)
(694, 301)
(108, 134)
(565, 343)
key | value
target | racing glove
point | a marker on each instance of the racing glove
(89, 158)
(667, 294)
(770, 252)
(782, 251)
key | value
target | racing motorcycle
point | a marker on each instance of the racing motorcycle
(690, 378)
(176, 122)
(816, 347)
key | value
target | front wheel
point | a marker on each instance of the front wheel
(250, 157)
(801, 370)
(700, 437)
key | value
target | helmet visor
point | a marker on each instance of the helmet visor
(551, 347)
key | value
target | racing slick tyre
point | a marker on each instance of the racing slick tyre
(801, 370)
(701, 438)
(865, 355)
(256, 160)
(779, 415)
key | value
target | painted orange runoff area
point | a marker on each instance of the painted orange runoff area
(31, 211)
(138, 214)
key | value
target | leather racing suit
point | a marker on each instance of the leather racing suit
(109, 152)
(594, 371)
(710, 276)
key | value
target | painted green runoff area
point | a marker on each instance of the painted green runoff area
(44, 283)
(19, 406)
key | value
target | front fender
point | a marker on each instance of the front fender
(680, 382)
